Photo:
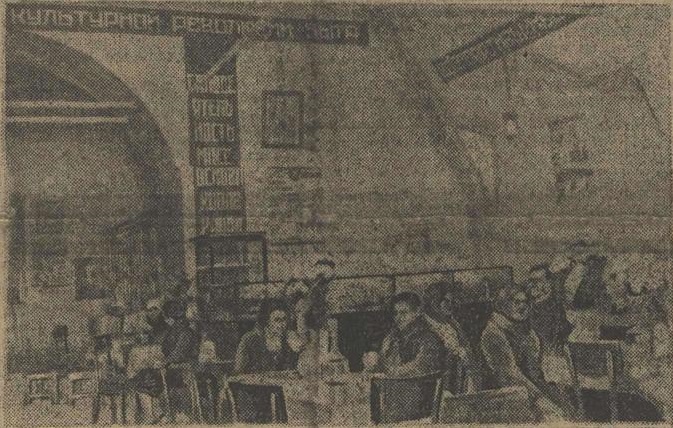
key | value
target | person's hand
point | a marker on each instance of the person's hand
(370, 361)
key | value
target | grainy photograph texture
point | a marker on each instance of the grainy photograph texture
(336, 213)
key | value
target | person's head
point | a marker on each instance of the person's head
(299, 302)
(438, 300)
(175, 310)
(273, 317)
(513, 302)
(153, 309)
(324, 268)
(539, 287)
(406, 308)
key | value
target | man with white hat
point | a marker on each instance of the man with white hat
(150, 320)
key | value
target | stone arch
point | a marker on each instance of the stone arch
(160, 184)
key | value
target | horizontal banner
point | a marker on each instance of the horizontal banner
(500, 42)
(179, 23)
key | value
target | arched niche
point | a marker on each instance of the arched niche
(100, 134)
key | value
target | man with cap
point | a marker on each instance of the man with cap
(151, 321)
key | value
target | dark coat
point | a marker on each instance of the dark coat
(252, 355)
(180, 343)
(413, 351)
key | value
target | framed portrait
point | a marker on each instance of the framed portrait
(283, 119)
(93, 277)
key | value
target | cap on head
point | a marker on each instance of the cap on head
(153, 304)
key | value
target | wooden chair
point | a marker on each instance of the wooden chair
(111, 381)
(456, 379)
(497, 406)
(187, 376)
(406, 399)
(42, 386)
(597, 366)
(259, 404)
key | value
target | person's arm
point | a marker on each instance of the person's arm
(501, 361)
(244, 355)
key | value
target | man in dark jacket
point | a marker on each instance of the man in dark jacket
(412, 348)
(548, 314)
(180, 343)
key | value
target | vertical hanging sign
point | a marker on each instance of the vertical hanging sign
(214, 135)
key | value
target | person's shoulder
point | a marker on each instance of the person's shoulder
(492, 331)
(250, 337)
(426, 331)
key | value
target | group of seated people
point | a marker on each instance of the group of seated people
(130, 351)
(527, 321)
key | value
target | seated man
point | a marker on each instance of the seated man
(512, 353)
(548, 315)
(412, 348)
(438, 308)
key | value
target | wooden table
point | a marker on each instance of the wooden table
(341, 400)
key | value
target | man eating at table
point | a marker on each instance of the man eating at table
(411, 348)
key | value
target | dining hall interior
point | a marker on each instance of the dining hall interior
(336, 213)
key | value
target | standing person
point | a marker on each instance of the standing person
(411, 348)
(265, 348)
(438, 308)
(144, 362)
(324, 273)
(512, 353)
(302, 337)
(150, 320)
(180, 343)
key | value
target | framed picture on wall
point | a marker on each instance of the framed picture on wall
(93, 277)
(282, 119)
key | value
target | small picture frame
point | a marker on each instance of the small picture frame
(283, 119)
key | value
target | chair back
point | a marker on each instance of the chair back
(455, 375)
(405, 399)
(258, 404)
(42, 386)
(498, 406)
(594, 362)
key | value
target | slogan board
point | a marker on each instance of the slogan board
(181, 23)
(214, 134)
